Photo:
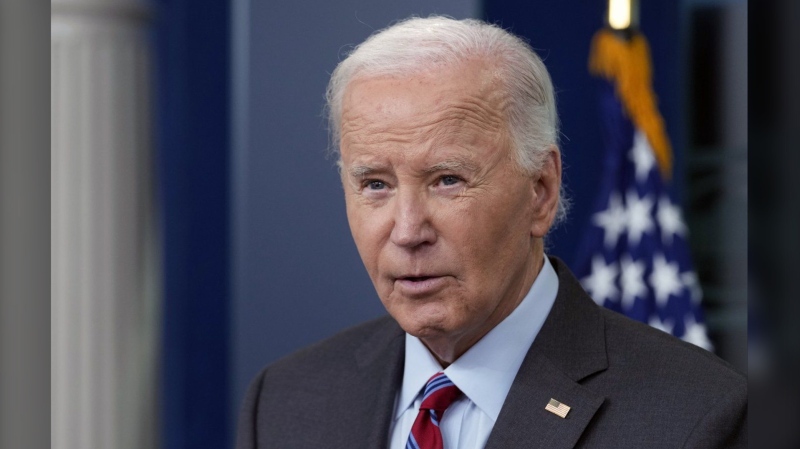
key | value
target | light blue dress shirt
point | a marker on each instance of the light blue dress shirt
(484, 373)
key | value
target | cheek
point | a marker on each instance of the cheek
(493, 239)
(366, 227)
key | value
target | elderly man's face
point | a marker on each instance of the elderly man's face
(447, 226)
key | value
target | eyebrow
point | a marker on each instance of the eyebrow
(456, 164)
(361, 171)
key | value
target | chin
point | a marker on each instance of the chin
(427, 329)
(421, 317)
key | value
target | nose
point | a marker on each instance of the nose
(412, 220)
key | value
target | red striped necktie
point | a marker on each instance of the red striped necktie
(440, 392)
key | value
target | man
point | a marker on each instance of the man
(447, 137)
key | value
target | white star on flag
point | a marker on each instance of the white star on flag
(664, 279)
(689, 279)
(640, 221)
(696, 333)
(664, 326)
(612, 220)
(632, 280)
(642, 156)
(669, 219)
(600, 283)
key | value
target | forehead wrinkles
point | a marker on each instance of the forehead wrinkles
(453, 115)
(472, 113)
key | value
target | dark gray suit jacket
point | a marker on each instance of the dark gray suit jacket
(628, 386)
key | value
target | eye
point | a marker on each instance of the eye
(375, 185)
(450, 180)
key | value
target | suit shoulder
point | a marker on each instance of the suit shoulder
(324, 363)
(664, 391)
(306, 389)
(634, 344)
(339, 349)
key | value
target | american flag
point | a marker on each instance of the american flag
(558, 408)
(634, 257)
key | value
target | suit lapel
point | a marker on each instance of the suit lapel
(380, 368)
(569, 347)
(524, 422)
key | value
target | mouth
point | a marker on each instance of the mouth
(419, 285)
(416, 278)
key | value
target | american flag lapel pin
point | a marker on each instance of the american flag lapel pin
(557, 408)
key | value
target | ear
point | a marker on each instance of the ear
(546, 192)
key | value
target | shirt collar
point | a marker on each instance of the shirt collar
(486, 371)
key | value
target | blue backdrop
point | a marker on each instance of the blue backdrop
(192, 139)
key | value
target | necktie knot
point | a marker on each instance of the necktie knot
(439, 393)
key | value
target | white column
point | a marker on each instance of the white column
(105, 274)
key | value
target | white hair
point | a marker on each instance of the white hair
(417, 45)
